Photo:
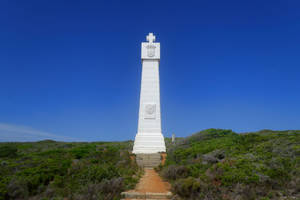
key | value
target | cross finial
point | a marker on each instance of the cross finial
(150, 38)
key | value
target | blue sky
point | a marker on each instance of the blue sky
(71, 70)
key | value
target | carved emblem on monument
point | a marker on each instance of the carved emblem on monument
(151, 50)
(150, 111)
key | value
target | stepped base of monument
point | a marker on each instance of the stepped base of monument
(148, 160)
(149, 143)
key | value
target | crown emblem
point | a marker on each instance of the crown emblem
(151, 50)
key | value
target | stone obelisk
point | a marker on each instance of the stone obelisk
(149, 138)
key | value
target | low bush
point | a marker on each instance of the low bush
(220, 164)
(8, 151)
(188, 187)
(58, 170)
(174, 172)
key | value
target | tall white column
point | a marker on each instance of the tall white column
(149, 138)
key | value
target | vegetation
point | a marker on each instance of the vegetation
(73, 171)
(220, 164)
(212, 164)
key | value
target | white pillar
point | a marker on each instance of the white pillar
(149, 138)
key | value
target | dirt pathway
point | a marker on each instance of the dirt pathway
(151, 182)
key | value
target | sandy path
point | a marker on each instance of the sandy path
(152, 182)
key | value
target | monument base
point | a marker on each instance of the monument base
(148, 144)
(150, 160)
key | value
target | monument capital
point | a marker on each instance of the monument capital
(150, 49)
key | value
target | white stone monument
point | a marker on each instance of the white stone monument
(149, 138)
(173, 138)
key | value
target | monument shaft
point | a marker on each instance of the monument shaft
(149, 138)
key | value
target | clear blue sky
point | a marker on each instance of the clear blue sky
(72, 69)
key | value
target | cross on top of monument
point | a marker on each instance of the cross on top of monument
(150, 38)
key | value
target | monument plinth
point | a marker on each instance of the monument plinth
(149, 138)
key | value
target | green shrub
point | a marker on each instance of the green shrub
(8, 151)
(58, 170)
(81, 152)
(175, 172)
(187, 187)
(229, 165)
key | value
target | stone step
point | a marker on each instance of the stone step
(149, 165)
(145, 159)
(146, 195)
(148, 160)
(143, 163)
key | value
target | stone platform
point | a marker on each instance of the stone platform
(148, 160)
